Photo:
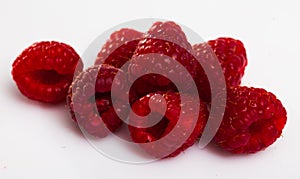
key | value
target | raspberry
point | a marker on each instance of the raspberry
(90, 103)
(164, 39)
(119, 48)
(178, 141)
(253, 120)
(45, 70)
(231, 55)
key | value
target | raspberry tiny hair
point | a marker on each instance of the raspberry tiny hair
(45, 70)
(253, 120)
(175, 103)
(90, 104)
(119, 48)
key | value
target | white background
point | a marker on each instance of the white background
(40, 141)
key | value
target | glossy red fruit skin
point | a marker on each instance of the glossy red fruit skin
(230, 54)
(165, 39)
(253, 120)
(45, 70)
(167, 124)
(90, 104)
(119, 48)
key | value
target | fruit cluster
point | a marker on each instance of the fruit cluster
(253, 118)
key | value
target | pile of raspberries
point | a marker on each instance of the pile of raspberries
(52, 72)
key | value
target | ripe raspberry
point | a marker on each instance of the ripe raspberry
(164, 39)
(231, 55)
(253, 120)
(177, 141)
(119, 48)
(90, 96)
(45, 70)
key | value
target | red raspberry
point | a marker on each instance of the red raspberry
(231, 55)
(169, 123)
(164, 39)
(253, 120)
(90, 96)
(45, 70)
(119, 48)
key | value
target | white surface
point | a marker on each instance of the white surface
(40, 141)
